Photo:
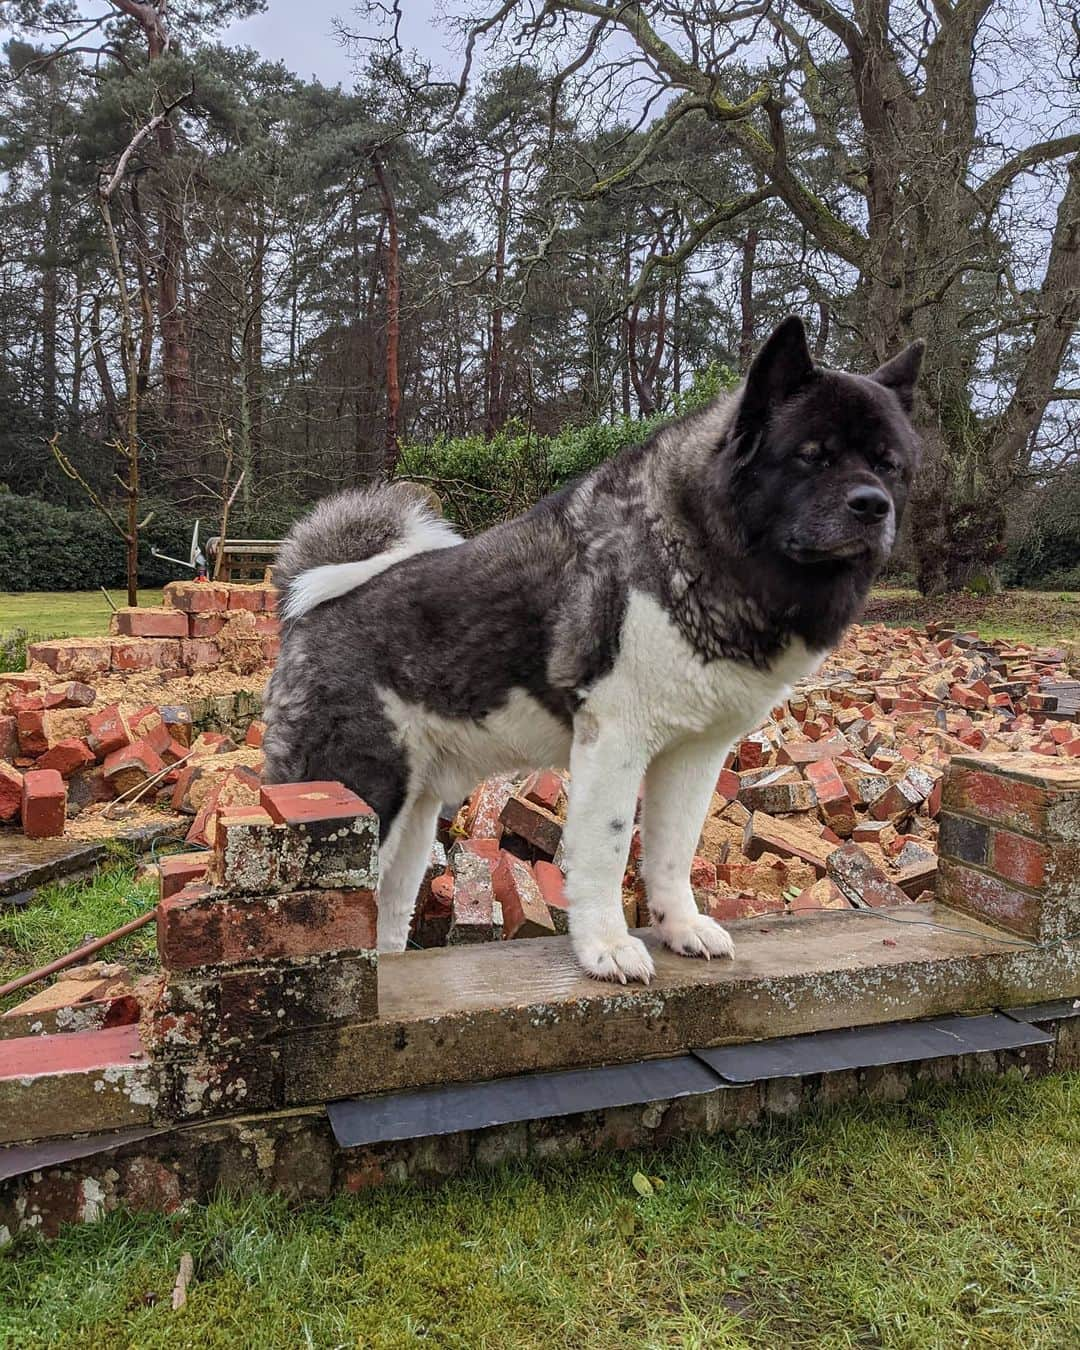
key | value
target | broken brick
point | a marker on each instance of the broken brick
(864, 884)
(67, 757)
(525, 913)
(128, 768)
(532, 823)
(44, 804)
(11, 791)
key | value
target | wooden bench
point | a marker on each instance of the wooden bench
(242, 559)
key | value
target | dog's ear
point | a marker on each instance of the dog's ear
(901, 372)
(782, 367)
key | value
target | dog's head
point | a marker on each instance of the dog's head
(821, 461)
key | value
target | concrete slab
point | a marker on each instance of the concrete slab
(78, 1082)
(454, 1015)
(26, 864)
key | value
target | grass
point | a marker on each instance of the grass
(1042, 617)
(62, 917)
(49, 614)
(1025, 616)
(947, 1221)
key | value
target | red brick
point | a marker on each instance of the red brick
(196, 597)
(9, 738)
(726, 908)
(251, 598)
(74, 694)
(525, 913)
(833, 800)
(780, 792)
(1018, 858)
(44, 804)
(199, 654)
(474, 898)
(728, 784)
(198, 928)
(129, 767)
(751, 754)
(823, 894)
(298, 803)
(860, 880)
(67, 757)
(150, 623)
(11, 790)
(532, 823)
(988, 898)
(808, 752)
(765, 835)
(481, 815)
(179, 870)
(81, 657)
(205, 625)
(544, 788)
(254, 735)
(31, 733)
(552, 885)
(130, 654)
(702, 875)
(239, 786)
(1019, 791)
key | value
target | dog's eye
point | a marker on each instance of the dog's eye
(885, 464)
(812, 452)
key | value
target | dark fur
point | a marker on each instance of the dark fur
(721, 516)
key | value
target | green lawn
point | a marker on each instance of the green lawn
(1045, 617)
(63, 613)
(62, 916)
(1032, 616)
(948, 1221)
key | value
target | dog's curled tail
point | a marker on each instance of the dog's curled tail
(351, 537)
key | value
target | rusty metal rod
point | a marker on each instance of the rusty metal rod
(73, 958)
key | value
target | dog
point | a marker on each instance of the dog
(630, 627)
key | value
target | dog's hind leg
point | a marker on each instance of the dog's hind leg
(605, 770)
(402, 859)
(679, 785)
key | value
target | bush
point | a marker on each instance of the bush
(485, 481)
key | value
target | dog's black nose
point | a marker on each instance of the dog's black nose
(869, 504)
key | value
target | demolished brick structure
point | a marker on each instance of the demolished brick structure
(90, 712)
(271, 1000)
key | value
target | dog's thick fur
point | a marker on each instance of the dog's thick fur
(630, 626)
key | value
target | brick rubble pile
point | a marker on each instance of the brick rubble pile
(833, 803)
(77, 730)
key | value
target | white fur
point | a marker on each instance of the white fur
(422, 533)
(661, 713)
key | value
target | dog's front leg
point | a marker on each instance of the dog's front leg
(605, 772)
(679, 785)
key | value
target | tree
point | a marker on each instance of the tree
(903, 192)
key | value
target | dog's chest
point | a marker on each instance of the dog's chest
(661, 684)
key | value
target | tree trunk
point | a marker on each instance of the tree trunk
(393, 328)
(496, 413)
(746, 298)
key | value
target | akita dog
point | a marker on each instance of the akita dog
(629, 627)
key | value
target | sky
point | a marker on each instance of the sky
(300, 33)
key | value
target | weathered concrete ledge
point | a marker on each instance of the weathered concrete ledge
(487, 1011)
(469, 1013)
(295, 1152)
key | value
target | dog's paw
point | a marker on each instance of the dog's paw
(622, 958)
(697, 936)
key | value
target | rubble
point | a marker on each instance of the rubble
(832, 803)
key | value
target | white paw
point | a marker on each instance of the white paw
(696, 936)
(622, 958)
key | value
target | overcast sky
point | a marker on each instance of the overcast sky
(300, 33)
